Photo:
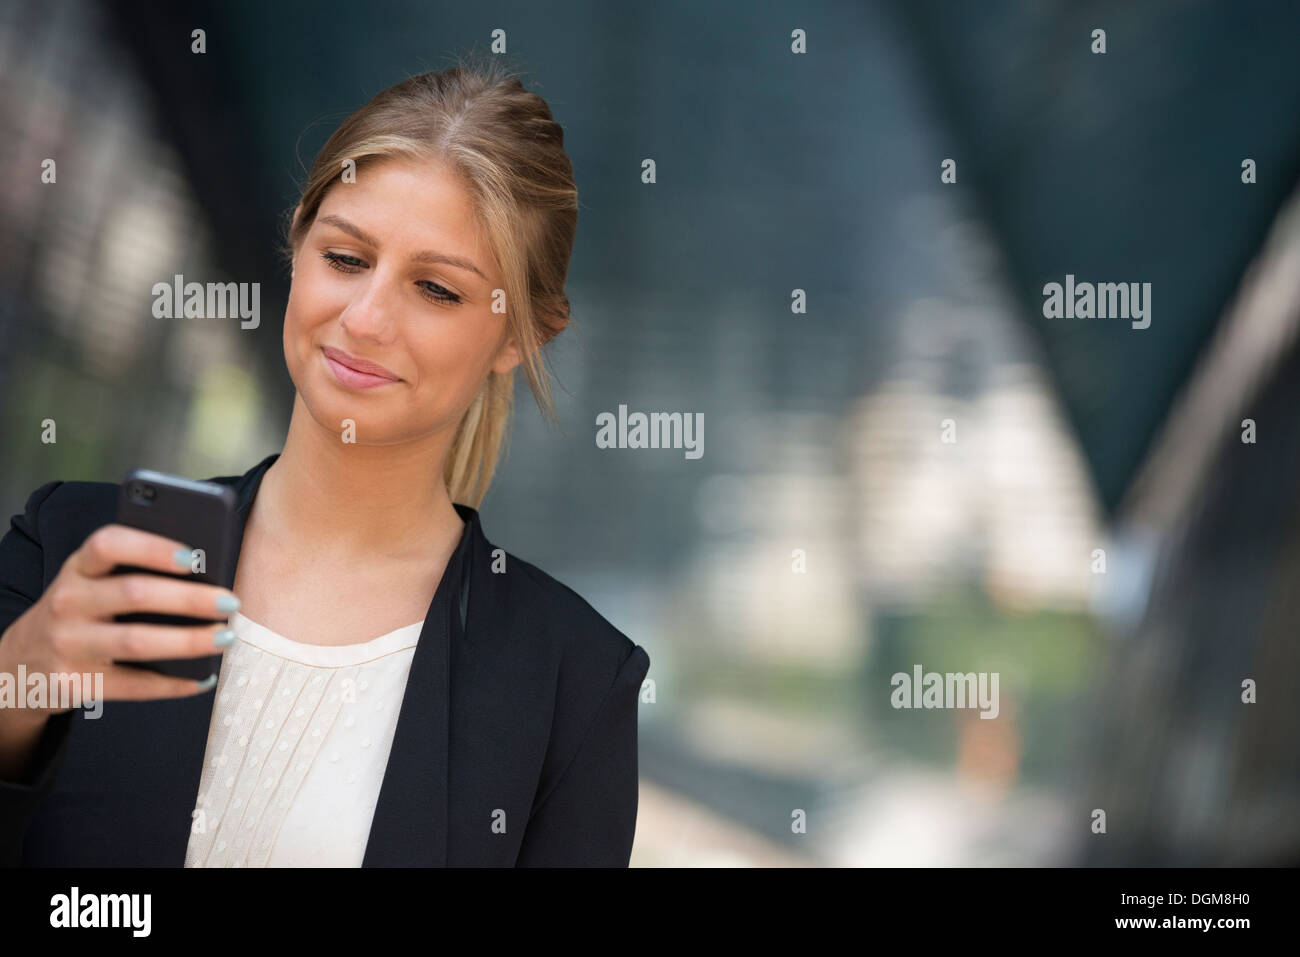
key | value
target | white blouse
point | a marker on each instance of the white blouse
(297, 747)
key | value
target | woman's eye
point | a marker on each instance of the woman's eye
(431, 290)
(341, 262)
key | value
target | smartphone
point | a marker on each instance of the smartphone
(202, 515)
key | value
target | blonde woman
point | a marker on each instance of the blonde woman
(391, 689)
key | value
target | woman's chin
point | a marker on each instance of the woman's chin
(346, 421)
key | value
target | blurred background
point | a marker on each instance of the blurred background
(921, 469)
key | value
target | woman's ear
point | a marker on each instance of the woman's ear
(509, 355)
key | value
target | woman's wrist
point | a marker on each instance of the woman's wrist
(20, 735)
(20, 727)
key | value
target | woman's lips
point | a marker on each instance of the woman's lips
(356, 373)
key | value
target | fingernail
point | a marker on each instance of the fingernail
(184, 558)
(224, 637)
(206, 683)
(227, 604)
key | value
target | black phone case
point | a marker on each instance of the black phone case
(198, 514)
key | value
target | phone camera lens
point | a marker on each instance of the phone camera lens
(141, 492)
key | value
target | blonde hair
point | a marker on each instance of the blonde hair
(509, 151)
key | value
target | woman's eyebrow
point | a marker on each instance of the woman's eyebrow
(350, 229)
(427, 256)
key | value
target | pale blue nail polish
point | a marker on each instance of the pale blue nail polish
(227, 603)
(223, 638)
(184, 558)
(206, 683)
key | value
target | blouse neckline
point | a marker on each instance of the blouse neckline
(325, 656)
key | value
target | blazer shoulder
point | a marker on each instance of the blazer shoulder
(578, 630)
(57, 518)
(598, 674)
(86, 504)
(77, 503)
(71, 506)
(75, 492)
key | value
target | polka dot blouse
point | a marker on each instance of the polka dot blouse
(296, 750)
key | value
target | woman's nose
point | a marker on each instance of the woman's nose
(369, 315)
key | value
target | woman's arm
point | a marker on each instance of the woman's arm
(21, 583)
(588, 819)
(29, 741)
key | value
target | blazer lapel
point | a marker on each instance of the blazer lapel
(409, 828)
(410, 825)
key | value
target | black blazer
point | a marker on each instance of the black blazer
(530, 708)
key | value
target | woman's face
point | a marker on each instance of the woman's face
(394, 273)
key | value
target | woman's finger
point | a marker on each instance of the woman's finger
(112, 545)
(102, 598)
(124, 683)
(99, 640)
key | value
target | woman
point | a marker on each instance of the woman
(393, 690)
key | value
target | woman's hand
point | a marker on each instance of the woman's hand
(70, 629)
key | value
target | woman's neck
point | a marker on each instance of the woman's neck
(346, 499)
